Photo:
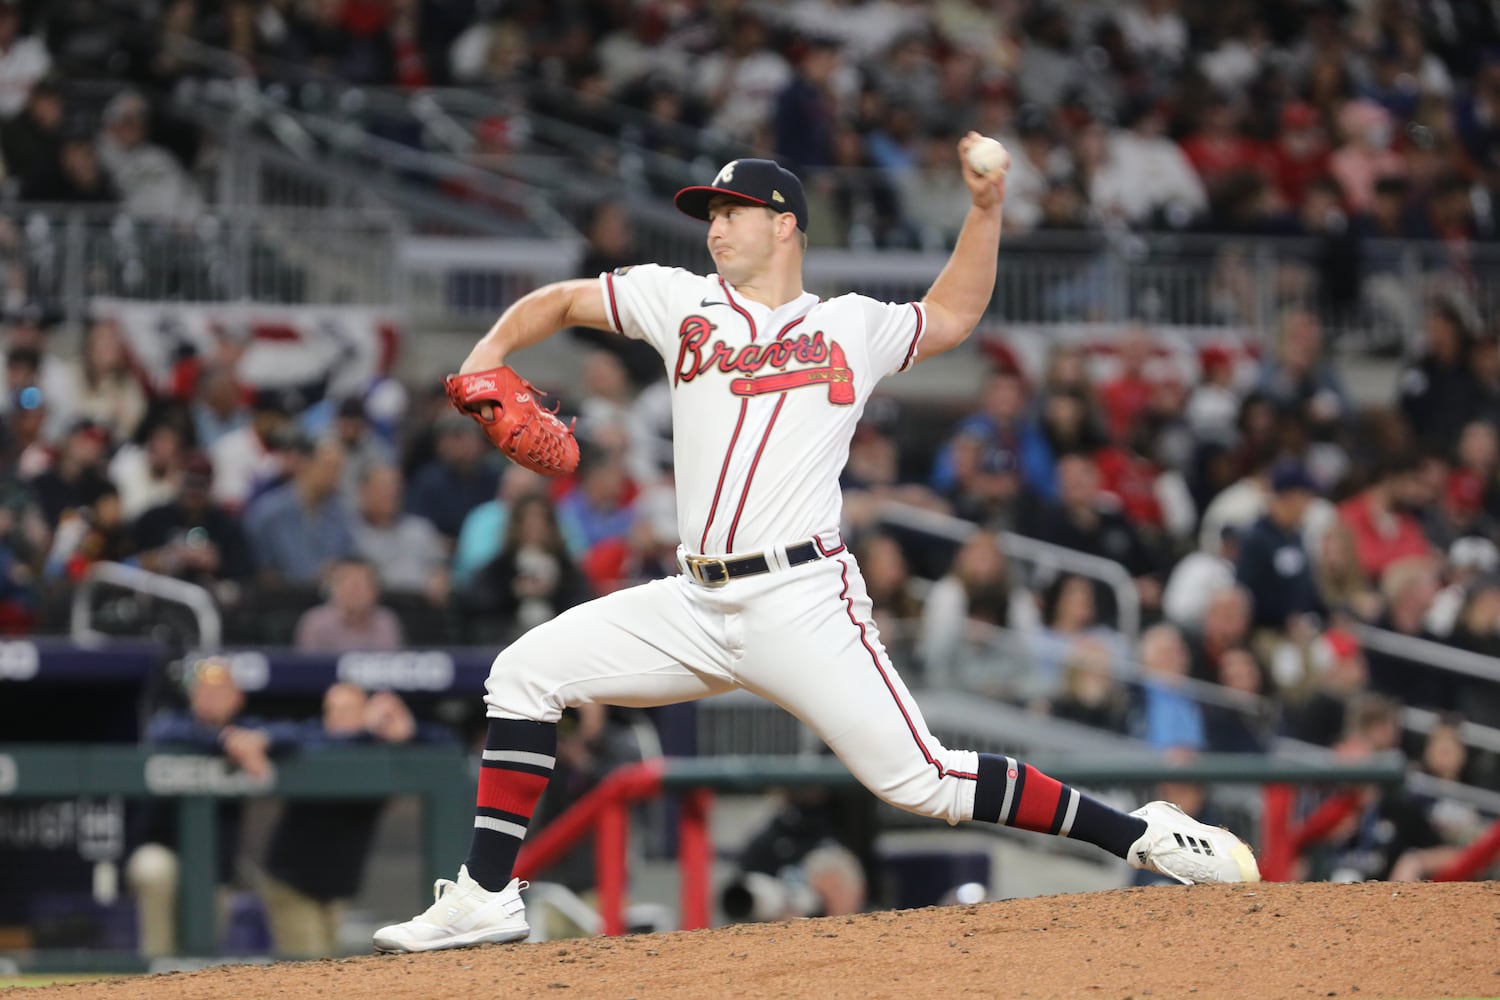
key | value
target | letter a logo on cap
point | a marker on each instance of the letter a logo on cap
(727, 174)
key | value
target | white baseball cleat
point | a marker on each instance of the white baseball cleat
(462, 913)
(1180, 847)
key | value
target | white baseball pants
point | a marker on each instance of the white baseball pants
(801, 638)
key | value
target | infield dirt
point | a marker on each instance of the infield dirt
(1292, 940)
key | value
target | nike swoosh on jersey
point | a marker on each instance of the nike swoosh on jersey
(709, 302)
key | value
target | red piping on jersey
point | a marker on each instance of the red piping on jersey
(734, 525)
(914, 338)
(724, 471)
(875, 658)
(614, 308)
(739, 308)
(829, 553)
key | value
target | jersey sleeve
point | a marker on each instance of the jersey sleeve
(894, 333)
(638, 300)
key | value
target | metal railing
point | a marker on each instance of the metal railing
(1426, 653)
(1044, 559)
(67, 255)
(199, 602)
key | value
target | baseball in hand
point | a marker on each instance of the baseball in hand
(987, 157)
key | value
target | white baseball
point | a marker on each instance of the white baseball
(987, 157)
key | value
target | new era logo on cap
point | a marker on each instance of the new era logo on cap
(760, 182)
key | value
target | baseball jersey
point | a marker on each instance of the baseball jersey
(764, 401)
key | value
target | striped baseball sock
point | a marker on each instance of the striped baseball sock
(1017, 794)
(518, 760)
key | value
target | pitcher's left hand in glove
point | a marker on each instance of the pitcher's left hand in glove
(505, 407)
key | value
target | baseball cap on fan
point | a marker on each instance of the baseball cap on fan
(760, 182)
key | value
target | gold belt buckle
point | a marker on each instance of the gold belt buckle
(696, 564)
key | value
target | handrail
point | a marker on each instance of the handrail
(1429, 653)
(1473, 734)
(1106, 571)
(165, 588)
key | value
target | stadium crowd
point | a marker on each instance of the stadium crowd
(1262, 515)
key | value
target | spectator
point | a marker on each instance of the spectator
(316, 854)
(149, 474)
(213, 723)
(408, 554)
(152, 182)
(611, 246)
(1339, 676)
(218, 406)
(74, 175)
(245, 459)
(109, 392)
(1299, 155)
(24, 60)
(1469, 559)
(1366, 154)
(1243, 724)
(610, 408)
(87, 535)
(962, 611)
(1218, 149)
(1438, 391)
(1299, 379)
(1068, 614)
(1125, 397)
(1409, 586)
(807, 107)
(1091, 695)
(1389, 838)
(1170, 718)
(1225, 627)
(364, 449)
(740, 81)
(1083, 520)
(1197, 578)
(191, 537)
(1381, 519)
(1445, 757)
(994, 455)
(598, 507)
(647, 552)
(31, 141)
(533, 579)
(351, 618)
(77, 477)
(1272, 563)
(484, 527)
(298, 530)
(458, 479)
(1342, 583)
(888, 581)
(1049, 68)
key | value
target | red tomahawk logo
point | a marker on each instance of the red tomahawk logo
(837, 376)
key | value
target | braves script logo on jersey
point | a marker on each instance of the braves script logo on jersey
(696, 355)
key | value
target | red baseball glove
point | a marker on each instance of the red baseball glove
(505, 406)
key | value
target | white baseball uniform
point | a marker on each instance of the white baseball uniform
(758, 449)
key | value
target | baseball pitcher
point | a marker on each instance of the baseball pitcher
(768, 381)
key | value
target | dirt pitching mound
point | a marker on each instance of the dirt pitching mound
(1298, 940)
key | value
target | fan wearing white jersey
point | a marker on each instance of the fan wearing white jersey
(768, 382)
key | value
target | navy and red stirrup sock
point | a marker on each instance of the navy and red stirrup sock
(518, 759)
(1016, 794)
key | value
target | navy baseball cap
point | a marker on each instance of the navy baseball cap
(1289, 474)
(760, 182)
